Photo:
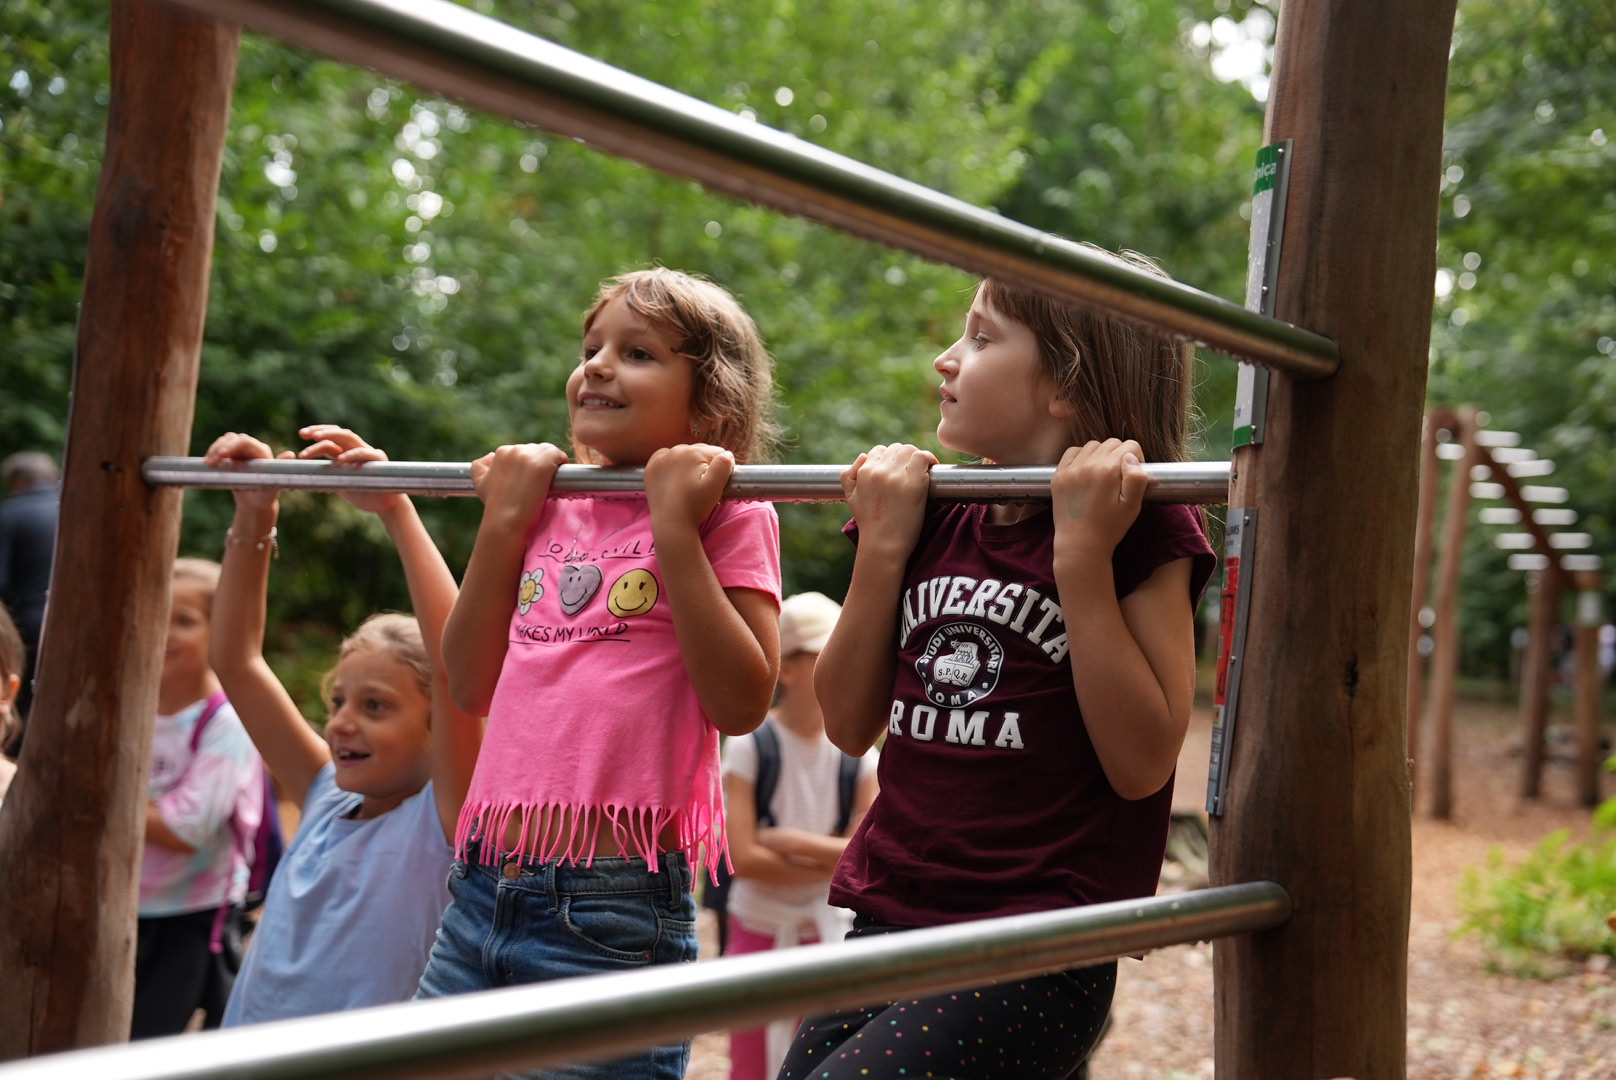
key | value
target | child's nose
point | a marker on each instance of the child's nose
(945, 360)
(600, 365)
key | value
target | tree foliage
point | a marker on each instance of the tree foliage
(416, 269)
(1525, 321)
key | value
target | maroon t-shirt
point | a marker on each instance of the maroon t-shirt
(993, 801)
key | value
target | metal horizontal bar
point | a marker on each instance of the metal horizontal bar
(450, 49)
(606, 1016)
(1174, 481)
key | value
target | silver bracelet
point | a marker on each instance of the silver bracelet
(259, 543)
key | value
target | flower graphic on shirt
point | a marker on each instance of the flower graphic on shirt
(529, 590)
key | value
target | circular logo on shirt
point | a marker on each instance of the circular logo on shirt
(960, 664)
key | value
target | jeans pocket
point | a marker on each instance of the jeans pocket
(622, 927)
(679, 943)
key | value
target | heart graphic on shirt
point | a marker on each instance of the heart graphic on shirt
(578, 586)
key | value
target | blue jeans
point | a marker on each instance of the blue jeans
(523, 921)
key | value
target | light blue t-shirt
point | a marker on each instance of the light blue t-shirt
(352, 910)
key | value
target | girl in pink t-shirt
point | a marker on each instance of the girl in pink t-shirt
(610, 641)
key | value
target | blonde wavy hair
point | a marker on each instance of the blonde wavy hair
(203, 573)
(393, 634)
(733, 387)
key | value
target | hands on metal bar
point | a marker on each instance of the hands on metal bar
(1174, 482)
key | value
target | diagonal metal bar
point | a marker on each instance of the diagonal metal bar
(450, 49)
(606, 1016)
(1174, 481)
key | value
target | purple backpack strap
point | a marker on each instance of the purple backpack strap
(215, 702)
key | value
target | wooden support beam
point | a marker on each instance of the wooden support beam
(70, 837)
(1424, 526)
(1590, 586)
(1437, 754)
(1319, 793)
(1537, 673)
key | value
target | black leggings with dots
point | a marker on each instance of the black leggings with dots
(1043, 1026)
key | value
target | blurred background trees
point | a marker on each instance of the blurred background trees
(416, 270)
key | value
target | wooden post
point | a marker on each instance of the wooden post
(1537, 673)
(1438, 755)
(1318, 798)
(1424, 525)
(70, 837)
(1589, 616)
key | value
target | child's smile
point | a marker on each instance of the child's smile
(378, 730)
(630, 394)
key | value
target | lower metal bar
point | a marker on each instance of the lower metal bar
(1172, 482)
(607, 1016)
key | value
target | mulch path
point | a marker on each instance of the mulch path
(1463, 1021)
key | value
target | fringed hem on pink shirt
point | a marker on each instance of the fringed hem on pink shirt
(700, 829)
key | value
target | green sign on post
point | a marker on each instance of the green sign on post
(1269, 186)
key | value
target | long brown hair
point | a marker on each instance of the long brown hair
(732, 395)
(1122, 381)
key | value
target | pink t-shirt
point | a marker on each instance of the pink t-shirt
(594, 715)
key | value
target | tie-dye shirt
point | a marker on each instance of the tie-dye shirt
(198, 795)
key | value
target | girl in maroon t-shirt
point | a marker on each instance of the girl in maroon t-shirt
(1040, 688)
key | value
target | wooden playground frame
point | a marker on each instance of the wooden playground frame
(1319, 792)
(1432, 715)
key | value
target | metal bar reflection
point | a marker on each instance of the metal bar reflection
(606, 1016)
(1175, 482)
(450, 49)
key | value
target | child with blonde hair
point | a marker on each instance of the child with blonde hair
(355, 904)
(610, 641)
(206, 790)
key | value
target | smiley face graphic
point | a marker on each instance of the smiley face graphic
(578, 585)
(634, 593)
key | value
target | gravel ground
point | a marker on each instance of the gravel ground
(1463, 1022)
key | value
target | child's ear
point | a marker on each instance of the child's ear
(1061, 409)
(8, 690)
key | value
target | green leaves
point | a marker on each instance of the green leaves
(1526, 308)
(1547, 912)
(417, 270)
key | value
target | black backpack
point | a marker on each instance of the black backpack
(716, 896)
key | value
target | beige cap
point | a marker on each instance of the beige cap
(806, 621)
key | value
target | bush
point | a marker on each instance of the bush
(1549, 913)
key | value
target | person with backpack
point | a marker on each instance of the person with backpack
(792, 800)
(206, 789)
